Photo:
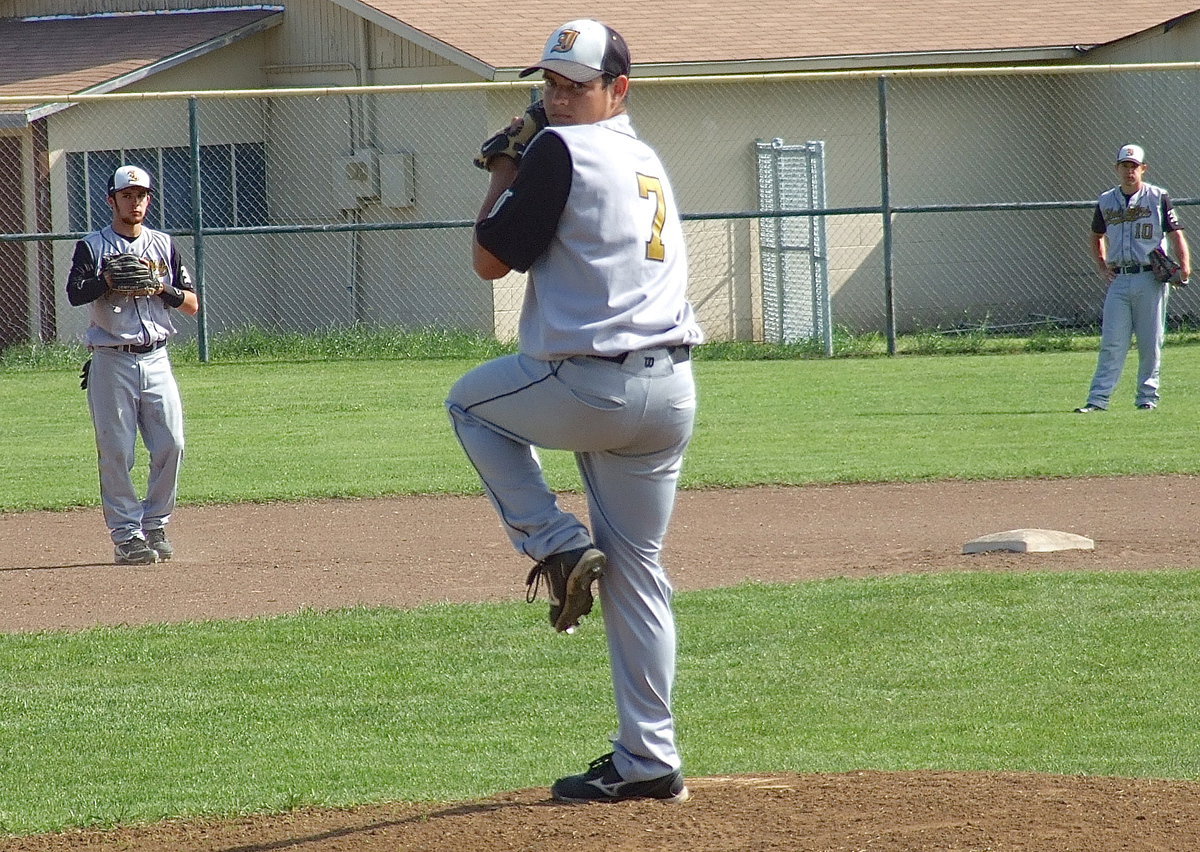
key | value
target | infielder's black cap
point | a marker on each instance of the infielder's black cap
(582, 50)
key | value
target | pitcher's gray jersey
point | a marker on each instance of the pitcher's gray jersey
(614, 278)
(611, 274)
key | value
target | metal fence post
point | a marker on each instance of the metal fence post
(885, 203)
(198, 228)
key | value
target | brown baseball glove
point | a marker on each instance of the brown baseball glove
(129, 275)
(512, 141)
(1165, 269)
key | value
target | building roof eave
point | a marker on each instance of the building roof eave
(867, 62)
(15, 119)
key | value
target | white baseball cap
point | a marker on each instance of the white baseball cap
(128, 176)
(1131, 153)
(582, 50)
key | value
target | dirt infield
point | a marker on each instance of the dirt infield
(55, 573)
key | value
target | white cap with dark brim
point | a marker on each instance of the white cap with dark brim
(128, 176)
(582, 50)
(1131, 154)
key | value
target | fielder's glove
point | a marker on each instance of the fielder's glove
(1165, 269)
(129, 275)
(512, 142)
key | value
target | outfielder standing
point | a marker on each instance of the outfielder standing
(604, 370)
(1131, 220)
(129, 381)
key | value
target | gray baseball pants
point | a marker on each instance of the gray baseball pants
(628, 425)
(128, 393)
(1136, 305)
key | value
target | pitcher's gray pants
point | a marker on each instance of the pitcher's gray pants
(628, 425)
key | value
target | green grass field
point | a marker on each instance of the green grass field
(1045, 672)
(277, 430)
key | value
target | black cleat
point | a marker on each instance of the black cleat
(602, 783)
(135, 551)
(569, 577)
(157, 540)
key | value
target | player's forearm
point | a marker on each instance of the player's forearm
(1182, 252)
(180, 298)
(191, 303)
(501, 177)
(487, 266)
(1099, 247)
(84, 282)
(83, 288)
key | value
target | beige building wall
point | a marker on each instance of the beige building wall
(972, 139)
(975, 139)
(22, 142)
(323, 44)
(93, 126)
(706, 135)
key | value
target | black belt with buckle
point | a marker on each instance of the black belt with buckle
(141, 350)
(1131, 270)
(679, 354)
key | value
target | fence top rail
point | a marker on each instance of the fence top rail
(776, 77)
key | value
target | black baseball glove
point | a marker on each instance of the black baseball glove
(129, 275)
(512, 141)
(1165, 269)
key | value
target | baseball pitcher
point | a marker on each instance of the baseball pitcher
(604, 370)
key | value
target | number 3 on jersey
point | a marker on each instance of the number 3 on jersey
(647, 186)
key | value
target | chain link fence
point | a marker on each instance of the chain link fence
(948, 199)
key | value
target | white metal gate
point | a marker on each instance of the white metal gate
(795, 266)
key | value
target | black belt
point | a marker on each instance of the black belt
(679, 354)
(1131, 270)
(141, 350)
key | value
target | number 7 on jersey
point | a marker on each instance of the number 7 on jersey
(647, 186)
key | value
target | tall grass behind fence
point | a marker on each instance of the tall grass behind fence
(953, 198)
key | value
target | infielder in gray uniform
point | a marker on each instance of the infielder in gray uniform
(129, 382)
(604, 370)
(1132, 219)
